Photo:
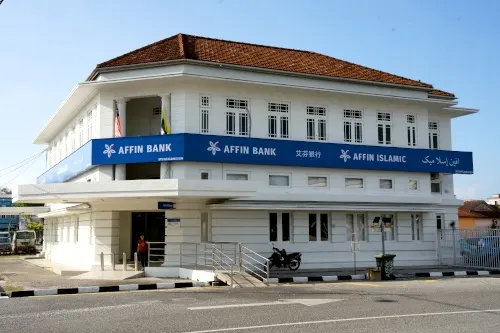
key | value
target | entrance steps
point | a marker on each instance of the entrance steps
(240, 280)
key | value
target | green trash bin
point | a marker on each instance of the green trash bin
(386, 264)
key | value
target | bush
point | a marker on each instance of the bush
(25, 249)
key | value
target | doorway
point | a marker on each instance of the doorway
(150, 224)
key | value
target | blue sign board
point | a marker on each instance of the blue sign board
(166, 205)
(73, 165)
(243, 150)
(176, 220)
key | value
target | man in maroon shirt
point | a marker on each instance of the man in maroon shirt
(142, 251)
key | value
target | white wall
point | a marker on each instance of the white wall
(299, 178)
(73, 128)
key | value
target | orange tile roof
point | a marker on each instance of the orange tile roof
(188, 47)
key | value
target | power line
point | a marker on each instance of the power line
(25, 160)
(21, 164)
(27, 166)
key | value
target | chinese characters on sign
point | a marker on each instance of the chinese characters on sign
(308, 154)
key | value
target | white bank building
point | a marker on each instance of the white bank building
(259, 145)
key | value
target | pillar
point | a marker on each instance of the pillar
(121, 104)
(107, 236)
(165, 169)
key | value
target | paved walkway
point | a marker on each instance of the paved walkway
(16, 274)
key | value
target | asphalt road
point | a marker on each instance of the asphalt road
(446, 305)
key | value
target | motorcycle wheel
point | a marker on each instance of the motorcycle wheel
(294, 265)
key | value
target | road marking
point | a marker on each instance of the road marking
(430, 281)
(244, 328)
(62, 312)
(303, 301)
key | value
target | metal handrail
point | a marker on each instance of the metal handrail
(219, 258)
(261, 260)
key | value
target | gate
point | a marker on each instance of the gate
(477, 248)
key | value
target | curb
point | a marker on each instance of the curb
(306, 279)
(457, 273)
(105, 289)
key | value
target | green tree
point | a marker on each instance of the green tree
(35, 226)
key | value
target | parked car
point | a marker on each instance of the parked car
(23, 239)
(5, 242)
(480, 251)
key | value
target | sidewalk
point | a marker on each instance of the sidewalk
(17, 274)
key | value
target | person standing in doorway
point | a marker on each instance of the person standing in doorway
(142, 251)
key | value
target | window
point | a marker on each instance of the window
(237, 176)
(354, 183)
(357, 229)
(77, 226)
(353, 129)
(277, 120)
(416, 227)
(322, 228)
(411, 129)
(384, 128)
(385, 184)
(156, 111)
(279, 227)
(314, 181)
(433, 135)
(439, 222)
(90, 121)
(435, 183)
(316, 123)
(279, 180)
(205, 175)
(413, 185)
(73, 139)
(80, 132)
(204, 114)
(237, 120)
(390, 233)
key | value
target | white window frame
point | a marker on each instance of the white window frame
(384, 122)
(436, 181)
(394, 230)
(318, 227)
(353, 119)
(386, 178)
(90, 125)
(205, 107)
(279, 227)
(81, 132)
(238, 108)
(232, 172)
(279, 112)
(411, 129)
(416, 181)
(327, 184)
(417, 230)
(207, 172)
(280, 175)
(73, 139)
(354, 227)
(433, 133)
(317, 115)
(355, 188)
(77, 226)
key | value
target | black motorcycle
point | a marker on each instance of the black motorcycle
(281, 259)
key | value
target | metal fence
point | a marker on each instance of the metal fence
(477, 248)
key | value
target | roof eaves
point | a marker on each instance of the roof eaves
(256, 69)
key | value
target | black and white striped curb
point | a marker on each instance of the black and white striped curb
(106, 289)
(306, 279)
(457, 273)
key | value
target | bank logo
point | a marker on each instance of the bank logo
(345, 155)
(109, 150)
(213, 147)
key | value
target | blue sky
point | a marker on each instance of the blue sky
(46, 47)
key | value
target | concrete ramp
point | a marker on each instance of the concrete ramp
(108, 275)
(240, 280)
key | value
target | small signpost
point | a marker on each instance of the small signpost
(354, 248)
(173, 222)
(165, 205)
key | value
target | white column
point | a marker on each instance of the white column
(165, 170)
(121, 170)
